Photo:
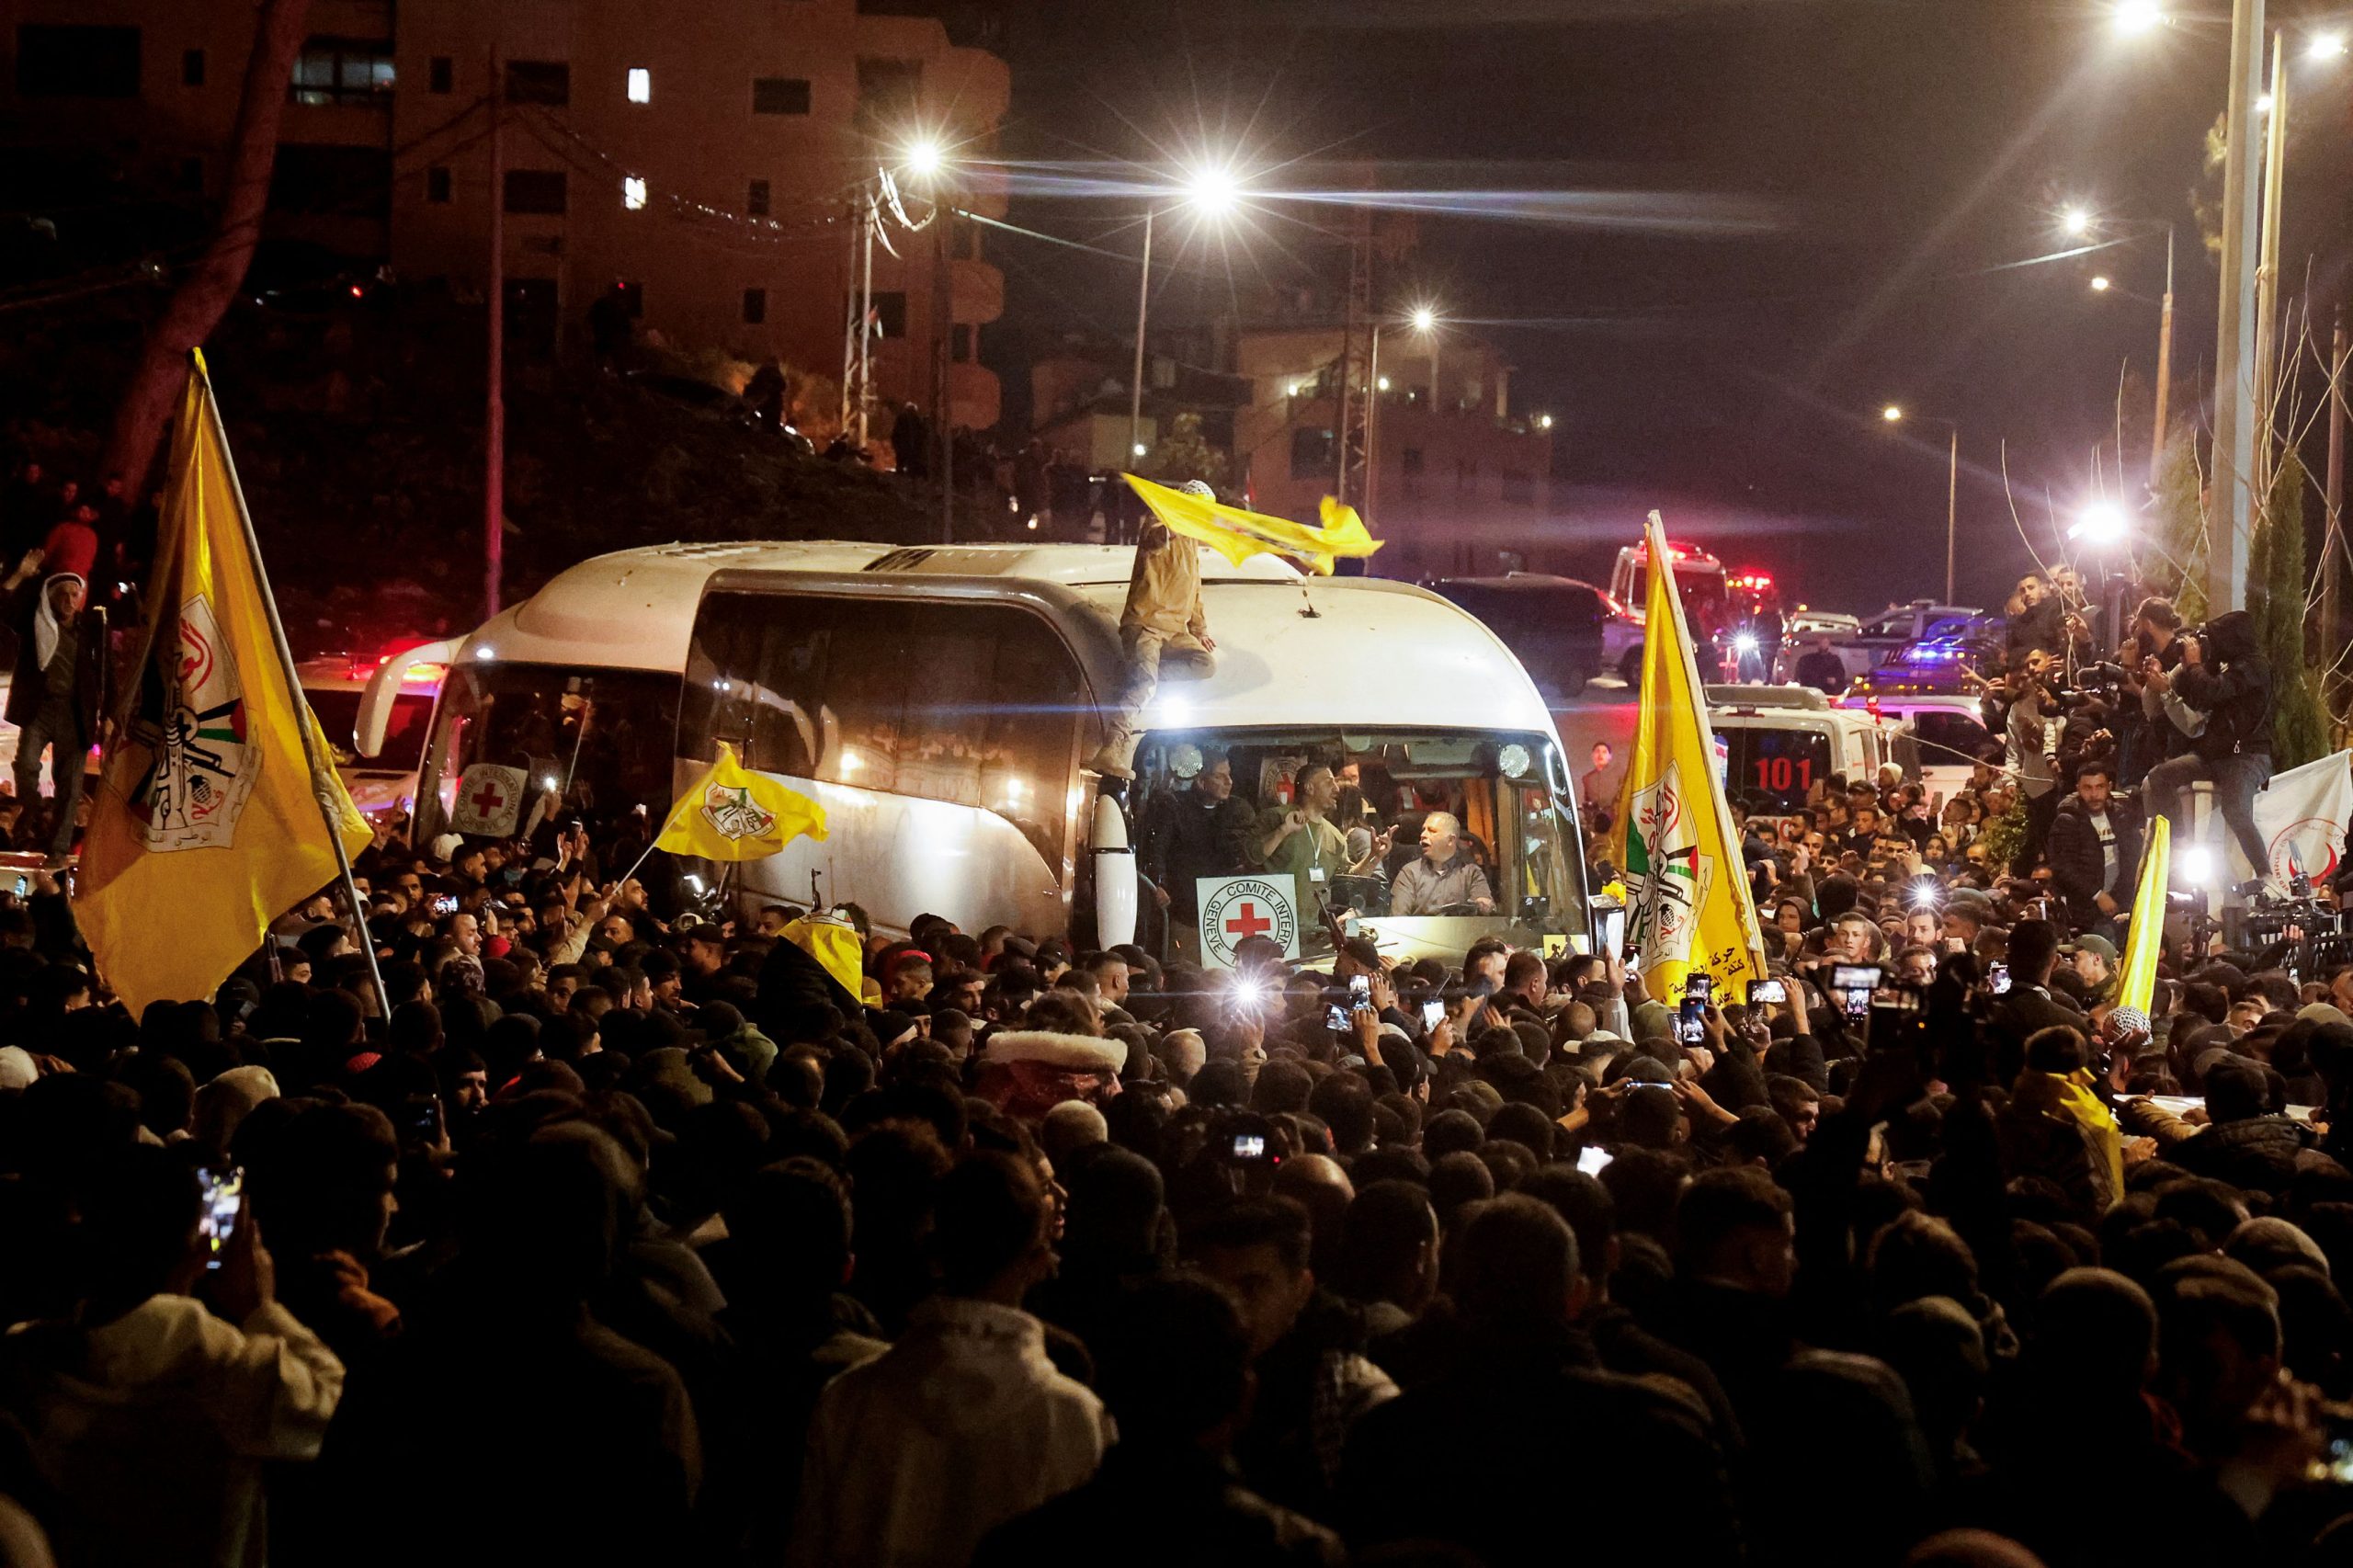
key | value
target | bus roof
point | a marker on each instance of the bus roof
(635, 609)
(1399, 657)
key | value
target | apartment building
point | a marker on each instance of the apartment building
(703, 162)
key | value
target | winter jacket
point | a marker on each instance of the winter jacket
(2232, 687)
(961, 1426)
(2078, 870)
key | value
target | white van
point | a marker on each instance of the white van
(1781, 742)
(939, 701)
(383, 779)
(1947, 731)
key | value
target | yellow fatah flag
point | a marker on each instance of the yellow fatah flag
(2137, 987)
(732, 815)
(210, 818)
(1687, 906)
(1238, 535)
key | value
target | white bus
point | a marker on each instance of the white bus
(937, 702)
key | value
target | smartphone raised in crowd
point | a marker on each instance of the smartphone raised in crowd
(222, 1199)
(1433, 1013)
(1851, 985)
(1767, 991)
(1691, 1018)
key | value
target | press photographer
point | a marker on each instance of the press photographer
(2224, 675)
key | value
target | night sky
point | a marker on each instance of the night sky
(1812, 197)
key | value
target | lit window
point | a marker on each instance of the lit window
(641, 84)
(633, 193)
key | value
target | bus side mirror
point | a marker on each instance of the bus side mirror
(383, 688)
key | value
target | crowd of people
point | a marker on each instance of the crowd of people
(607, 1232)
(535, 1211)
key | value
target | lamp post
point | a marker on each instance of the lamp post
(2078, 223)
(1424, 320)
(1894, 414)
(1213, 191)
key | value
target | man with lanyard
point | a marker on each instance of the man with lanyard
(1302, 842)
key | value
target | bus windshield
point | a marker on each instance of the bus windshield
(403, 748)
(1507, 794)
(605, 735)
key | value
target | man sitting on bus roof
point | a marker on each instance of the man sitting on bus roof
(1444, 876)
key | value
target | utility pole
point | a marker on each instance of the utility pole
(2332, 547)
(2230, 491)
(854, 309)
(1952, 508)
(2267, 267)
(1135, 383)
(493, 520)
(1373, 426)
(943, 334)
(2165, 367)
(866, 326)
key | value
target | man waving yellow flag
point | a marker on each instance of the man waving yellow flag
(1687, 904)
(210, 818)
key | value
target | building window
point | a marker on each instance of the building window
(72, 61)
(755, 200)
(889, 313)
(889, 92)
(539, 82)
(780, 95)
(324, 178)
(437, 184)
(1520, 487)
(633, 193)
(1311, 454)
(439, 74)
(535, 190)
(641, 84)
(191, 68)
(961, 343)
(756, 306)
(342, 71)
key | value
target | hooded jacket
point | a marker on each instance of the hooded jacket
(962, 1425)
(2232, 687)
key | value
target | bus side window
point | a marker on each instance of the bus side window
(1032, 738)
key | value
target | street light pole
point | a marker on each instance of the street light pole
(2165, 367)
(2234, 466)
(1372, 425)
(2267, 265)
(1135, 389)
(1952, 508)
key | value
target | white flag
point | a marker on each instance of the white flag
(2300, 816)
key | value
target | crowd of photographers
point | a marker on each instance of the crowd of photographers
(607, 1233)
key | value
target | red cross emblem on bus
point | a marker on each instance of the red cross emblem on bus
(487, 798)
(1250, 923)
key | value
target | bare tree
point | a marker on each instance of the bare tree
(203, 296)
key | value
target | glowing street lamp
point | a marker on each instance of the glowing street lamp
(2100, 285)
(2133, 18)
(2076, 221)
(1892, 414)
(2325, 47)
(924, 157)
(1213, 191)
(2101, 524)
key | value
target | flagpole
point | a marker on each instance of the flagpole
(293, 683)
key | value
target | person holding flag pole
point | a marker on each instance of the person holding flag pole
(217, 808)
(1688, 903)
